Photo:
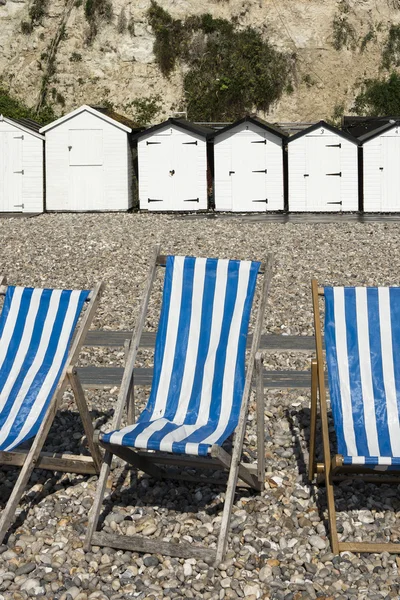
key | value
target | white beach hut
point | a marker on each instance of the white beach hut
(21, 166)
(248, 167)
(381, 168)
(89, 161)
(323, 170)
(172, 163)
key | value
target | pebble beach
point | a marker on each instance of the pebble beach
(278, 546)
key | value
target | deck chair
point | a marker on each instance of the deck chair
(362, 341)
(200, 391)
(36, 364)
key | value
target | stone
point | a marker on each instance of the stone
(317, 542)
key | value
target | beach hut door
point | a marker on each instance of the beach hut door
(85, 153)
(249, 173)
(390, 173)
(323, 173)
(11, 172)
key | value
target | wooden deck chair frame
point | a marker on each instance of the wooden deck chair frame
(34, 457)
(150, 462)
(332, 469)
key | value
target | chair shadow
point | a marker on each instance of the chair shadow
(48, 480)
(351, 494)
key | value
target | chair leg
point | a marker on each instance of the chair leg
(313, 425)
(85, 416)
(332, 513)
(226, 515)
(98, 500)
(130, 398)
(260, 420)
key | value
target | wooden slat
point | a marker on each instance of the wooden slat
(281, 343)
(68, 463)
(369, 547)
(152, 546)
(98, 377)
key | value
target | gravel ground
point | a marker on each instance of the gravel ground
(278, 546)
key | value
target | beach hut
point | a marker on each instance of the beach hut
(381, 172)
(248, 167)
(21, 166)
(89, 161)
(172, 164)
(323, 170)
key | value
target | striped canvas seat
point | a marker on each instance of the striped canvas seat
(36, 326)
(199, 363)
(362, 338)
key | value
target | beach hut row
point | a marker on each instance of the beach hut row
(90, 159)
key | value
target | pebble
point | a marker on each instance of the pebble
(278, 545)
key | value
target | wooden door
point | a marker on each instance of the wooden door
(160, 184)
(249, 172)
(185, 172)
(390, 173)
(323, 174)
(86, 179)
(11, 172)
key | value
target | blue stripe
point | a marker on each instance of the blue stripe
(241, 355)
(204, 339)
(17, 335)
(377, 372)
(34, 391)
(357, 404)
(394, 295)
(185, 315)
(160, 341)
(333, 371)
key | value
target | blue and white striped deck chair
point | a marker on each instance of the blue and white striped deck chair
(362, 343)
(200, 389)
(36, 364)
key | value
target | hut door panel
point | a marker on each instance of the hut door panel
(249, 173)
(323, 174)
(11, 172)
(185, 173)
(85, 147)
(86, 188)
(160, 187)
(390, 174)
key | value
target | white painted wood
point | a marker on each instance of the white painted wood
(21, 168)
(88, 164)
(172, 170)
(238, 154)
(381, 160)
(313, 159)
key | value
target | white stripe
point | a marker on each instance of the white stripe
(55, 367)
(231, 354)
(358, 460)
(171, 338)
(142, 439)
(388, 370)
(209, 366)
(23, 347)
(343, 368)
(9, 326)
(36, 364)
(193, 341)
(365, 370)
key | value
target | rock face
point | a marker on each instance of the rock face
(119, 64)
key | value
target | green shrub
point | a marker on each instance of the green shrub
(122, 22)
(369, 37)
(75, 57)
(95, 12)
(131, 27)
(15, 109)
(379, 97)
(37, 11)
(229, 71)
(344, 34)
(26, 27)
(145, 110)
(391, 50)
